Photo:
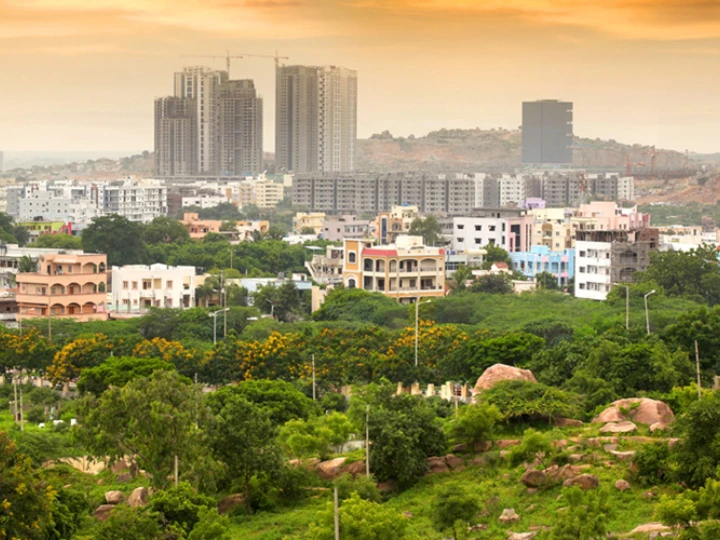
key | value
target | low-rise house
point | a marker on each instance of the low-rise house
(137, 288)
(64, 285)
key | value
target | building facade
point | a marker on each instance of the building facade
(406, 270)
(64, 286)
(175, 132)
(137, 288)
(541, 259)
(337, 228)
(547, 132)
(510, 229)
(316, 119)
(239, 125)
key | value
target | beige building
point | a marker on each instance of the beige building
(175, 130)
(268, 193)
(387, 226)
(406, 270)
(312, 220)
(551, 227)
(316, 119)
(66, 286)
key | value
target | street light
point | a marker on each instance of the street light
(647, 313)
(417, 314)
(214, 315)
(272, 307)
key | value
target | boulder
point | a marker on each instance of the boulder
(565, 422)
(308, 464)
(506, 443)
(437, 465)
(230, 502)
(330, 470)
(641, 410)
(119, 466)
(500, 372)
(454, 462)
(622, 485)
(619, 427)
(139, 497)
(102, 512)
(479, 461)
(460, 449)
(509, 516)
(124, 478)
(114, 497)
(585, 481)
(557, 474)
(533, 479)
(478, 527)
(624, 456)
(648, 528)
(355, 468)
(522, 536)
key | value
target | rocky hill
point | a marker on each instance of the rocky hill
(498, 149)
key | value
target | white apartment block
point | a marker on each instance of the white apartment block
(137, 200)
(473, 233)
(592, 270)
(137, 288)
(204, 201)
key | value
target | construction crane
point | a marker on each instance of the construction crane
(275, 57)
(228, 57)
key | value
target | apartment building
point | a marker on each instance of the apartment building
(137, 288)
(316, 119)
(176, 146)
(406, 270)
(552, 228)
(239, 128)
(611, 244)
(376, 193)
(387, 226)
(267, 193)
(547, 131)
(542, 259)
(134, 199)
(200, 228)
(64, 285)
(327, 268)
(12, 254)
(309, 220)
(203, 201)
(337, 228)
(508, 228)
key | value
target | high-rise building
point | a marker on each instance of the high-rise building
(201, 84)
(239, 129)
(175, 132)
(547, 132)
(316, 119)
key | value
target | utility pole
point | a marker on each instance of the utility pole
(647, 312)
(223, 291)
(697, 368)
(22, 416)
(176, 471)
(627, 307)
(337, 515)
(15, 403)
(313, 375)
(367, 441)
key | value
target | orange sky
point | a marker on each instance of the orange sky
(81, 75)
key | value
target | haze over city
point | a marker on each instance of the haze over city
(80, 76)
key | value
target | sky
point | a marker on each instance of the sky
(83, 74)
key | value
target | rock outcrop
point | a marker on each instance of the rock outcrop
(139, 497)
(619, 427)
(585, 481)
(330, 470)
(500, 372)
(114, 497)
(509, 516)
(640, 410)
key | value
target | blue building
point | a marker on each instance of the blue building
(541, 259)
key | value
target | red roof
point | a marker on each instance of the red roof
(501, 265)
(380, 252)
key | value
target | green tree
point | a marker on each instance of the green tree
(211, 526)
(513, 349)
(545, 280)
(474, 424)
(307, 230)
(116, 236)
(58, 241)
(429, 228)
(180, 506)
(460, 278)
(453, 508)
(359, 520)
(315, 437)
(165, 230)
(242, 436)
(125, 523)
(159, 416)
(686, 273)
(26, 264)
(118, 371)
(493, 284)
(26, 500)
(494, 254)
(283, 301)
(697, 455)
(280, 399)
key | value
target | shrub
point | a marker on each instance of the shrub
(36, 414)
(452, 508)
(180, 506)
(474, 424)
(364, 487)
(525, 400)
(534, 445)
(585, 518)
(652, 462)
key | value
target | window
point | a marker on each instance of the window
(582, 253)
(125, 285)
(169, 284)
(460, 240)
(461, 227)
(478, 241)
(478, 227)
(125, 302)
(492, 228)
(134, 285)
(582, 286)
(352, 258)
(582, 269)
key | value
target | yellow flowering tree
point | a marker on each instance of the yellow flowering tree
(79, 354)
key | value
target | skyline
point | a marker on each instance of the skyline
(79, 78)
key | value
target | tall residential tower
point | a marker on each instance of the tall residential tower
(239, 128)
(547, 132)
(175, 131)
(316, 119)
